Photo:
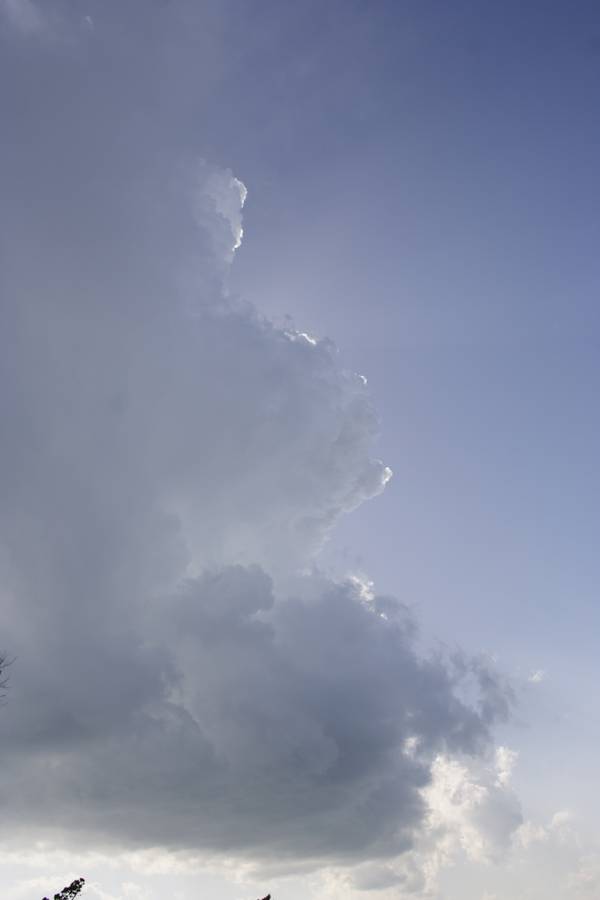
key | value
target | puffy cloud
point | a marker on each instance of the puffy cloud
(558, 830)
(471, 814)
(170, 467)
(475, 804)
(277, 729)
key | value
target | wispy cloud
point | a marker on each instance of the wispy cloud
(24, 15)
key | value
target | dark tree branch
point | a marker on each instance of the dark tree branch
(70, 891)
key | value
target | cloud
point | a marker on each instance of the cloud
(24, 15)
(277, 729)
(471, 814)
(172, 464)
(475, 805)
(57, 24)
(558, 829)
(584, 881)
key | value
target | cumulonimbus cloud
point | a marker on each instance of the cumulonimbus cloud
(171, 463)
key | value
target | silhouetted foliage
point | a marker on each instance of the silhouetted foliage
(76, 886)
(70, 891)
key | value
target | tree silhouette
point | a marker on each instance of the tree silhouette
(70, 891)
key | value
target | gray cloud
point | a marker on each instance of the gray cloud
(248, 724)
(171, 463)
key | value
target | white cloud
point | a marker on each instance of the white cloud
(505, 763)
(558, 829)
(222, 193)
(472, 815)
(474, 805)
(128, 891)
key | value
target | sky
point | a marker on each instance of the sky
(298, 352)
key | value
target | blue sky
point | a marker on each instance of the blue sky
(459, 274)
(423, 192)
(456, 269)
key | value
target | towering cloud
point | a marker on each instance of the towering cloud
(171, 463)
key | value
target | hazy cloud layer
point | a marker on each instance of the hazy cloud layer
(170, 465)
